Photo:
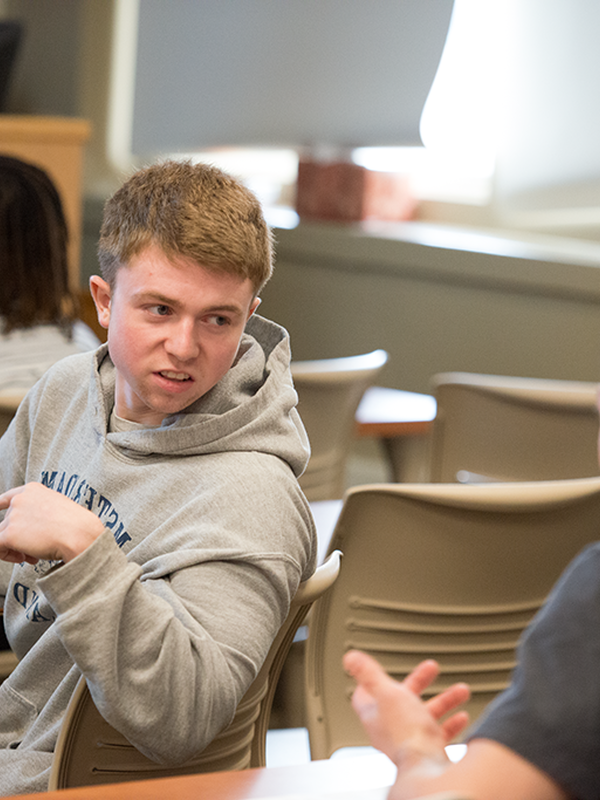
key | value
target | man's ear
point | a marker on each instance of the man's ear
(101, 294)
(253, 306)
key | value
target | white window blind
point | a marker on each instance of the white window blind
(283, 73)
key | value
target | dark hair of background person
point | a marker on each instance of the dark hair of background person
(34, 284)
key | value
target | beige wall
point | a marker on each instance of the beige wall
(521, 309)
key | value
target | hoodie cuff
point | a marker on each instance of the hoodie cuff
(92, 572)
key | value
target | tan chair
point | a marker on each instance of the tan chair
(90, 752)
(329, 392)
(513, 429)
(8, 408)
(448, 571)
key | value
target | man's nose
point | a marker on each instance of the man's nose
(182, 342)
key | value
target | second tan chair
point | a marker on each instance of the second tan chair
(513, 429)
(90, 752)
(329, 391)
(446, 571)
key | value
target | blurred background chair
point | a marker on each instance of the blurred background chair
(8, 408)
(448, 571)
(90, 752)
(402, 421)
(329, 391)
(513, 429)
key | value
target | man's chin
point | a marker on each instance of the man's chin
(178, 405)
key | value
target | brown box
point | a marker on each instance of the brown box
(346, 192)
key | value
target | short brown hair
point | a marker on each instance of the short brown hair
(33, 249)
(190, 210)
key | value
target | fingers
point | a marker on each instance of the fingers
(15, 556)
(6, 497)
(448, 700)
(373, 687)
(422, 676)
(7, 552)
(371, 675)
(374, 683)
(364, 669)
(455, 725)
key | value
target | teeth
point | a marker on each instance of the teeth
(175, 376)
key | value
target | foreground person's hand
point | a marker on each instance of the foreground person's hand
(400, 724)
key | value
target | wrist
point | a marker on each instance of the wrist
(82, 539)
(421, 760)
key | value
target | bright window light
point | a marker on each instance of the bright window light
(265, 171)
(459, 125)
(460, 117)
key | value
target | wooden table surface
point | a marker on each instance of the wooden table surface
(401, 421)
(386, 413)
(365, 776)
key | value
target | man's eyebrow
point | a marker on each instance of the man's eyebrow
(161, 299)
(232, 309)
(156, 297)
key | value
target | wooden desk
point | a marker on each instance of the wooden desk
(401, 421)
(365, 777)
(387, 413)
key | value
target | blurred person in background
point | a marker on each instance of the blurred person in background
(38, 311)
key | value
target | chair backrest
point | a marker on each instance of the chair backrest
(90, 752)
(513, 429)
(329, 391)
(8, 408)
(446, 571)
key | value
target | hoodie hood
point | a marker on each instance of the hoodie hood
(252, 408)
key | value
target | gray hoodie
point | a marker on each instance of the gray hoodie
(170, 613)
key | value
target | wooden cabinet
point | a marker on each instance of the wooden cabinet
(56, 145)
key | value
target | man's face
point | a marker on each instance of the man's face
(174, 330)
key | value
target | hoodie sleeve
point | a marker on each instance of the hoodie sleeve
(196, 638)
(13, 446)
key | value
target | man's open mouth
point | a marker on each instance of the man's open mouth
(175, 376)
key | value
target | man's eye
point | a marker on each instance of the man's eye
(217, 319)
(160, 310)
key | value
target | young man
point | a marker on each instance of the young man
(155, 532)
(539, 740)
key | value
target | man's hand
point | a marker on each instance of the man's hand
(409, 732)
(397, 721)
(42, 524)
